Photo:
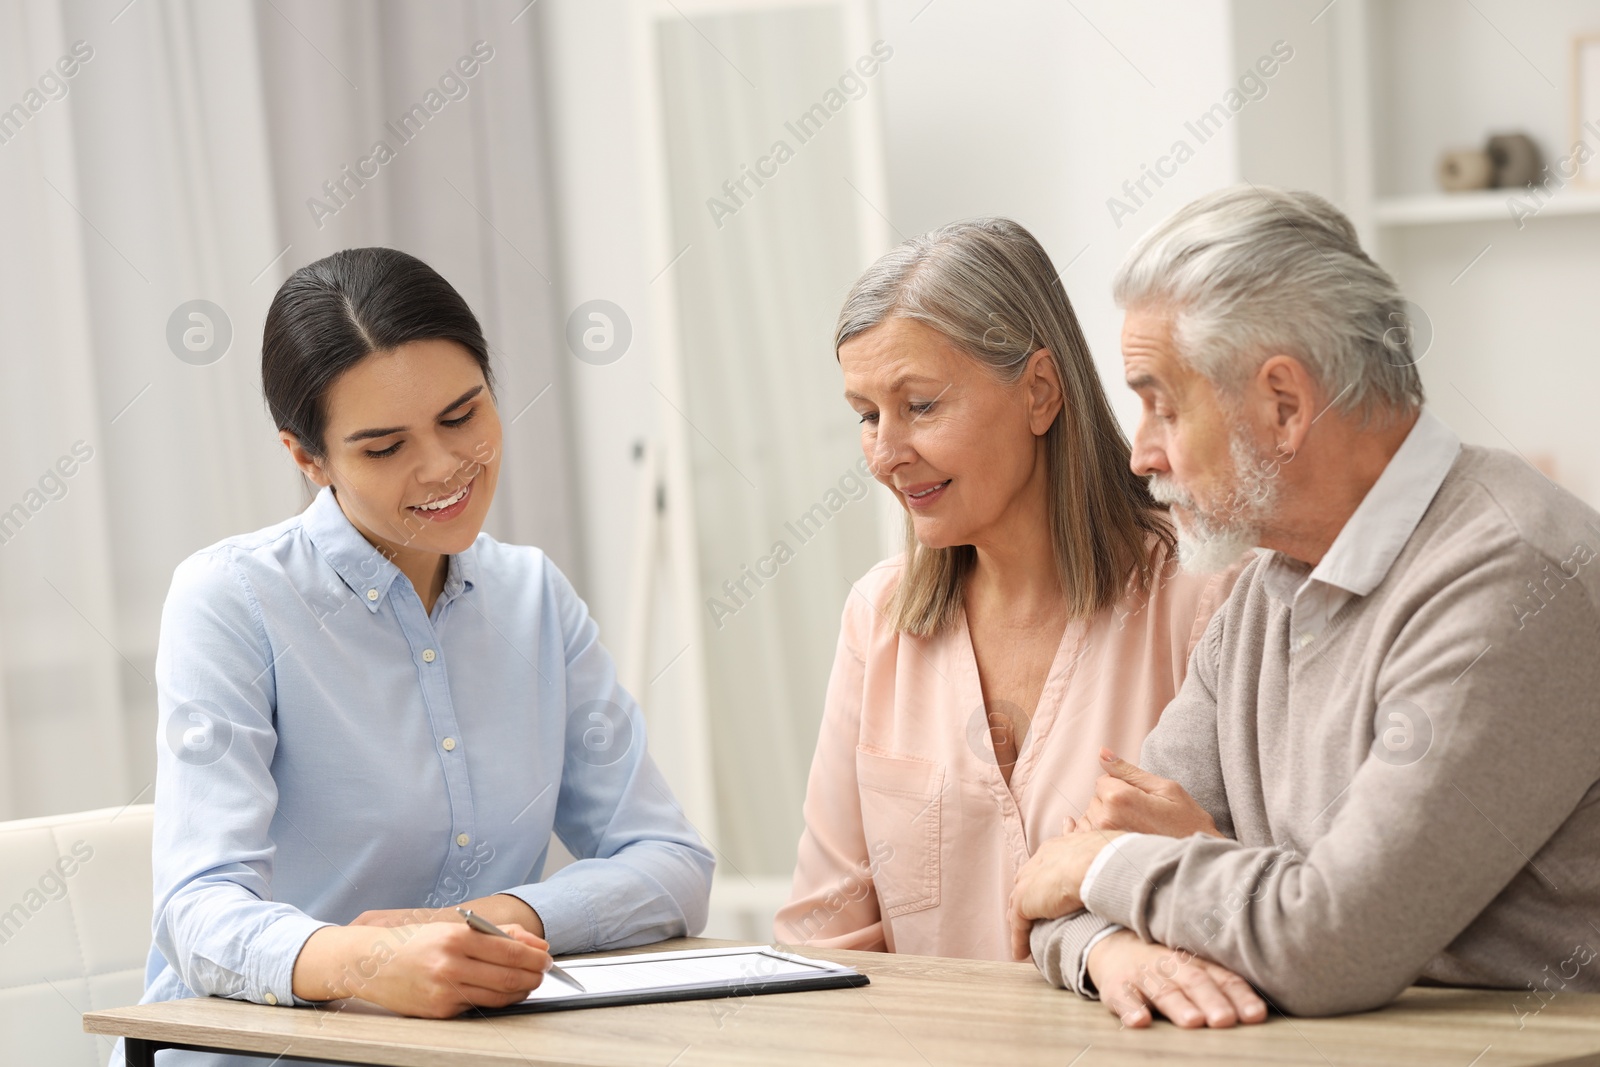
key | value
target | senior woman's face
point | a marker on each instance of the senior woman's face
(407, 431)
(953, 443)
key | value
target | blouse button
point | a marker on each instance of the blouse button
(372, 594)
(272, 1000)
(463, 840)
(429, 655)
(448, 744)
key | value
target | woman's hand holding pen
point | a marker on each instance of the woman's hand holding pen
(433, 970)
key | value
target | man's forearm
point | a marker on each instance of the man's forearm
(1060, 947)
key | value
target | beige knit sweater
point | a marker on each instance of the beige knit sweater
(1412, 798)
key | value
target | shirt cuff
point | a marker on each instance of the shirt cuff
(1085, 985)
(271, 972)
(1099, 863)
(569, 925)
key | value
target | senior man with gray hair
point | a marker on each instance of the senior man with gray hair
(1382, 767)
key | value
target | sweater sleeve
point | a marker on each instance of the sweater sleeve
(1183, 745)
(1059, 947)
(1423, 843)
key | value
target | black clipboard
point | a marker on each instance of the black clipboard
(787, 973)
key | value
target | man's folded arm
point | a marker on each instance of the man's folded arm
(1061, 947)
(1418, 850)
(1183, 746)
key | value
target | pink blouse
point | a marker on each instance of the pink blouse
(913, 838)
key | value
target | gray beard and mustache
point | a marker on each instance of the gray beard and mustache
(1213, 538)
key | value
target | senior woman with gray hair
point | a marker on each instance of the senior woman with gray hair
(1035, 619)
(1384, 763)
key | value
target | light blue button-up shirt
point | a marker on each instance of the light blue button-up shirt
(326, 747)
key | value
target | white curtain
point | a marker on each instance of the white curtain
(174, 164)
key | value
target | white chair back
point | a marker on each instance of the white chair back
(75, 901)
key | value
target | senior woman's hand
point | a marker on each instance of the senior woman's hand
(1131, 799)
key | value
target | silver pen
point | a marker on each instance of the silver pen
(484, 926)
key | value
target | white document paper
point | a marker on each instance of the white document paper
(663, 972)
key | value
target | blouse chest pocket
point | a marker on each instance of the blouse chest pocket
(900, 813)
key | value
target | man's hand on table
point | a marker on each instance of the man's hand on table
(1135, 977)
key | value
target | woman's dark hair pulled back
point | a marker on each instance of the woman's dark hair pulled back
(330, 315)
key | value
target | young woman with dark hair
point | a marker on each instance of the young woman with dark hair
(373, 712)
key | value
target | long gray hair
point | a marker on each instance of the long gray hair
(989, 287)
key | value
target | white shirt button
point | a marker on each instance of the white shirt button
(372, 594)
(448, 744)
(1305, 639)
(272, 1000)
(463, 840)
(429, 655)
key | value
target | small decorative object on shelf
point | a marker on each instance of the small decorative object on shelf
(1508, 161)
(1462, 169)
(1517, 161)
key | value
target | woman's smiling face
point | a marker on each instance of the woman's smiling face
(407, 430)
(960, 449)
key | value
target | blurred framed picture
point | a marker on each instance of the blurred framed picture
(1586, 103)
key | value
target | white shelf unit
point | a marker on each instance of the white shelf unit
(1487, 206)
(1376, 91)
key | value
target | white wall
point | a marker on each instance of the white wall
(1040, 111)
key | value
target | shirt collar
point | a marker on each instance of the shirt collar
(1371, 539)
(362, 567)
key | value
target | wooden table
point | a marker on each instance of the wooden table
(918, 1011)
